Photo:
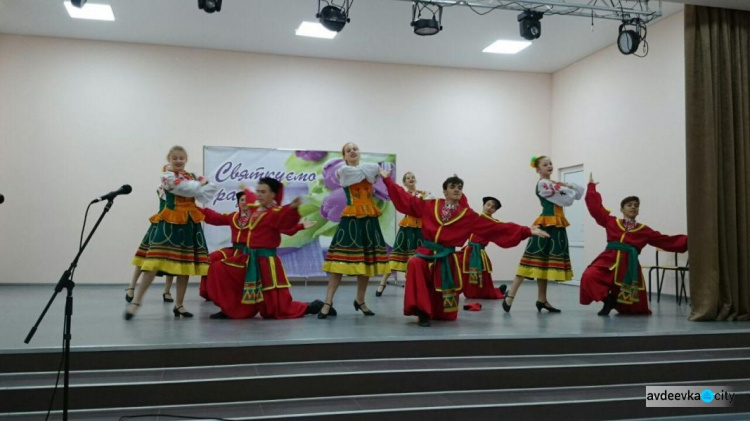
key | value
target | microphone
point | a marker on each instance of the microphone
(125, 189)
(2, 198)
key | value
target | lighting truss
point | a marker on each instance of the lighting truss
(646, 10)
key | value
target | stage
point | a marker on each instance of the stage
(573, 365)
(98, 323)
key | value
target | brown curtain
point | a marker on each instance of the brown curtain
(717, 70)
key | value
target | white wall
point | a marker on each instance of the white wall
(624, 119)
(80, 118)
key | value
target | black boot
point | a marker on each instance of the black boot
(609, 305)
(503, 288)
(314, 307)
(424, 319)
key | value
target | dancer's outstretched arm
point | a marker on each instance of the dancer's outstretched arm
(402, 200)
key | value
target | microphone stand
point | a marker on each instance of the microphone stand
(66, 281)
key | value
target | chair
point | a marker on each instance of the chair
(679, 275)
(683, 292)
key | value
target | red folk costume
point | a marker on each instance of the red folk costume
(433, 275)
(478, 284)
(607, 273)
(225, 252)
(408, 238)
(250, 278)
(250, 199)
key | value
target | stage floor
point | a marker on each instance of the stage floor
(98, 323)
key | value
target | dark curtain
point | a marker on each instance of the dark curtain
(717, 70)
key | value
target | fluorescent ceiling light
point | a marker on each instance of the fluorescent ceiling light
(315, 30)
(90, 11)
(506, 47)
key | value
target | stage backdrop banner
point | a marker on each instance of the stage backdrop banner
(310, 174)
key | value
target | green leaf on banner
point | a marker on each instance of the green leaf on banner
(316, 199)
(303, 237)
(328, 229)
(387, 220)
(306, 209)
(378, 158)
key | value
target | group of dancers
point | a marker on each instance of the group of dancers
(440, 245)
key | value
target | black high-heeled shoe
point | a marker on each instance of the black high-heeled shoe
(358, 306)
(379, 292)
(506, 306)
(609, 305)
(503, 288)
(178, 313)
(331, 311)
(129, 297)
(167, 297)
(547, 306)
(128, 315)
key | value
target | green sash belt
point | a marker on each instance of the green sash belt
(476, 264)
(629, 289)
(441, 256)
(253, 290)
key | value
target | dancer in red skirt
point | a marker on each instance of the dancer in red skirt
(245, 199)
(250, 278)
(476, 265)
(433, 275)
(615, 276)
(408, 237)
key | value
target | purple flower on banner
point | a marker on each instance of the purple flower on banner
(329, 173)
(314, 156)
(333, 205)
(335, 202)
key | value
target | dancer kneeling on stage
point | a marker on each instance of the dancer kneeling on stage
(251, 279)
(476, 264)
(246, 200)
(615, 276)
(433, 275)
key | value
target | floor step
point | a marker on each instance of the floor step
(215, 384)
(580, 403)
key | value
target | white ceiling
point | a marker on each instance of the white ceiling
(379, 31)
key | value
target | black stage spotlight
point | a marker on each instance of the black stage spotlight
(426, 26)
(629, 39)
(333, 17)
(78, 3)
(210, 6)
(529, 23)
